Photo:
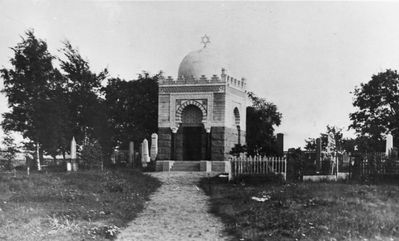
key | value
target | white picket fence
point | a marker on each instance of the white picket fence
(257, 165)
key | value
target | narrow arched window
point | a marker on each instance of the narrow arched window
(237, 124)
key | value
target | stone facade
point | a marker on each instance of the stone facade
(164, 143)
(216, 104)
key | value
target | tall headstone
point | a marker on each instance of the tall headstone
(73, 148)
(71, 164)
(131, 153)
(154, 146)
(145, 157)
(389, 144)
(318, 154)
(74, 164)
(39, 167)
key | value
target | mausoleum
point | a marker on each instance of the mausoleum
(202, 113)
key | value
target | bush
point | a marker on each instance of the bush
(92, 155)
(255, 180)
(238, 149)
(295, 164)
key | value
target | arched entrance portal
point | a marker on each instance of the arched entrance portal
(192, 132)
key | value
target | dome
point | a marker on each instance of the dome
(206, 61)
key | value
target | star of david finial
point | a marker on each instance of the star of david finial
(205, 40)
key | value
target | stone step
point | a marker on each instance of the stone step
(186, 166)
(185, 170)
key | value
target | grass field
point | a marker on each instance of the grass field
(306, 211)
(87, 205)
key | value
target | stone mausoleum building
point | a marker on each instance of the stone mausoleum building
(202, 113)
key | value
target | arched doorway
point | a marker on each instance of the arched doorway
(192, 132)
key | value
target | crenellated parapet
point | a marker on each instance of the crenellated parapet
(223, 78)
(231, 81)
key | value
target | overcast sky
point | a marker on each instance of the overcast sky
(304, 57)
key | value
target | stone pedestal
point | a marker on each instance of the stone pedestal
(205, 166)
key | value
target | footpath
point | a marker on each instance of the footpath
(178, 210)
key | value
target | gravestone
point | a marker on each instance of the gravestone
(389, 144)
(145, 157)
(318, 154)
(131, 153)
(154, 146)
(39, 167)
(74, 164)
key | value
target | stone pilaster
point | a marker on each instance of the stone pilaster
(164, 143)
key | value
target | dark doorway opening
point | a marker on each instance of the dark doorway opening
(192, 142)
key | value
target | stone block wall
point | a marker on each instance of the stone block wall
(164, 143)
(217, 140)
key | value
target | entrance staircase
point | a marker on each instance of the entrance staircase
(187, 166)
(190, 166)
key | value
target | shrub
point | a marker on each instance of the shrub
(238, 149)
(295, 164)
(10, 151)
(92, 155)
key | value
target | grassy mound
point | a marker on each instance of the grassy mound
(71, 206)
(305, 211)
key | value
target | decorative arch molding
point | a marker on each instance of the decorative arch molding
(186, 103)
(237, 118)
(237, 123)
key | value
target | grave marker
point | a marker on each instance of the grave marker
(154, 146)
(145, 157)
(131, 153)
(389, 144)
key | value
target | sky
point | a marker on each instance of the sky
(305, 57)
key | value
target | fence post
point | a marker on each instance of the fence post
(131, 153)
(285, 168)
(229, 166)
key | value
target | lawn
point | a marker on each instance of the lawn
(86, 205)
(306, 211)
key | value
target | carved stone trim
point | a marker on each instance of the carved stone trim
(199, 96)
(184, 103)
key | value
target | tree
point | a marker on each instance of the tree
(33, 88)
(132, 108)
(377, 103)
(330, 130)
(83, 87)
(10, 151)
(262, 116)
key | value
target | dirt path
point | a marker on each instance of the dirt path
(177, 211)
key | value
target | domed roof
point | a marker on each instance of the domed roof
(206, 61)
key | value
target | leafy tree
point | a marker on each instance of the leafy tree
(311, 144)
(132, 108)
(33, 88)
(10, 151)
(83, 87)
(377, 103)
(362, 144)
(262, 116)
(330, 130)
